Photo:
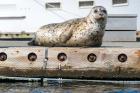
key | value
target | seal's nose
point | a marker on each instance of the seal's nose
(101, 14)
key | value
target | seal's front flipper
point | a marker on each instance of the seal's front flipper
(65, 36)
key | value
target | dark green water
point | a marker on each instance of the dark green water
(69, 87)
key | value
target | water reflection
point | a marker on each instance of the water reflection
(68, 87)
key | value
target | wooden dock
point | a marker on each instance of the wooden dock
(70, 62)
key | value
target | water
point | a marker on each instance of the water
(69, 87)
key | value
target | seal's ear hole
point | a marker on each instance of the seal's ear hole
(95, 11)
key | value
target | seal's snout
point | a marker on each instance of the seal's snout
(101, 14)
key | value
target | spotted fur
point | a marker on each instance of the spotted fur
(87, 31)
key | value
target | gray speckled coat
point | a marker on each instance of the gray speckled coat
(87, 31)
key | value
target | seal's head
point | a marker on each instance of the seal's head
(98, 13)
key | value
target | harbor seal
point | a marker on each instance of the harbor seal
(80, 32)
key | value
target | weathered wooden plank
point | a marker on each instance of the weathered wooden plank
(107, 64)
(66, 62)
(17, 62)
(120, 36)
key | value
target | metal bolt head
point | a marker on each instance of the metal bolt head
(122, 57)
(3, 56)
(62, 57)
(32, 57)
(91, 57)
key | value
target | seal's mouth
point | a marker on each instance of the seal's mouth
(100, 17)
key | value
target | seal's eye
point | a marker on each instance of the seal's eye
(104, 11)
(95, 11)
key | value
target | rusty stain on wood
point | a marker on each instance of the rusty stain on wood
(138, 53)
